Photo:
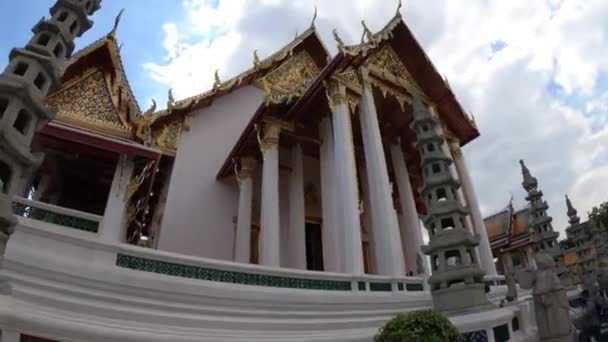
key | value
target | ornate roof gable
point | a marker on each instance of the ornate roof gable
(87, 103)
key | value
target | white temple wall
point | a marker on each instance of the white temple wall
(199, 210)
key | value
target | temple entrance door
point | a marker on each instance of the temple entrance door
(314, 247)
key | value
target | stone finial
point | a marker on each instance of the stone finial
(112, 34)
(529, 181)
(572, 213)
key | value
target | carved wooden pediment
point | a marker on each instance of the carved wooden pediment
(291, 78)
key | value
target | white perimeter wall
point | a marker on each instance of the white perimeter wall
(199, 209)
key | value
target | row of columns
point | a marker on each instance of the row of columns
(396, 240)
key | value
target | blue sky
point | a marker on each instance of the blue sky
(534, 73)
(140, 27)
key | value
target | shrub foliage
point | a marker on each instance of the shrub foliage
(419, 326)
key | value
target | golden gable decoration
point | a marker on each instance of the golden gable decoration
(94, 109)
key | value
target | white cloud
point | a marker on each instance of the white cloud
(559, 41)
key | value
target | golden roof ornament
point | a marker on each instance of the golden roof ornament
(314, 18)
(366, 32)
(170, 100)
(256, 59)
(398, 12)
(112, 34)
(217, 82)
(338, 39)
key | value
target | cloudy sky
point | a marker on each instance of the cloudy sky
(534, 73)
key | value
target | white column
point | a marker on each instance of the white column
(9, 336)
(485, 252)
(297, 214)
(366, 220)
(114, 224)
(346, 174)
(411, 233)
(269, 235)
(330, 230)
(242, 251)
(387, 239)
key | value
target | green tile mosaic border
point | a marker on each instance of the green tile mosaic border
(55, 218)
(414, 287)
(203, 273)
(380, 287)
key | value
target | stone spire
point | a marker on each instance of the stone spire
(32, 73)
(457, 279)
(572, 213)
(540, 222)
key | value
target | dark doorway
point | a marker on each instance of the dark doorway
(314, 247)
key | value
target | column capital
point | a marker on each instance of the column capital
(454, 145)
(363, 76)
(269, 136)
(248, 165)
(336, 93)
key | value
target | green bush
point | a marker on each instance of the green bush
(419, 326)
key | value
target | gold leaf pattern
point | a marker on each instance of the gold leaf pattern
(88, 104)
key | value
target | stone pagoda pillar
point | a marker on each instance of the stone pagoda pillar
(347, 191)
(387, 238)
(545, 238)
(32, 73)
(457, 279)
(242, 248)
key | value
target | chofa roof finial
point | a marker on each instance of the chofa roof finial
(338, 39)
(398, 11)
(112, 34)
(314, 17)
(366, 32)
(256, 59)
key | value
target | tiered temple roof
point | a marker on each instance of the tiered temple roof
(509, 229)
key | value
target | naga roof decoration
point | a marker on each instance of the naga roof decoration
(304, 64)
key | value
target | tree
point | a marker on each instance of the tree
(419, 326)
(600, 215)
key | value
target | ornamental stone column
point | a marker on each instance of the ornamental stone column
(457, 280)
(346, 173)
(411, 233)
(330, 229)
(32, 73)
(269, 230)
(387, 239)
(242, 251)
(484, 249)
(297, 214)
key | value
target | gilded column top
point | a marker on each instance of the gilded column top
(248, 165)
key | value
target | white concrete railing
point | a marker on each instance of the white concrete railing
(56, 215)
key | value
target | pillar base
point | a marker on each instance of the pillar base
(460, 297)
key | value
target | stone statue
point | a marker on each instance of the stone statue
(550, 301)
(589, 284)
(511, 287)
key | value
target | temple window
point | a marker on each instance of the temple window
(22, 122)
(447, 223)
(441, 195)
(44, 39)
(425, 128)
(40, 81)
(453, 258)
(3, 106)
(430, 147)
(5, 176)
(20, 69)
(63, 16)
(58, 51)
(432, 229)
(435, 263)
(436, 168)
(74, 27)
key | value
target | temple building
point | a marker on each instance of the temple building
(587, 246)
(517, 235)
(282, 204)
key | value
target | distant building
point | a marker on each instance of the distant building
(587, 246)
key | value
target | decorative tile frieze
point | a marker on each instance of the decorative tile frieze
(55, 218)
(377, 287)
(204, 273)
(475, 336)
(414, 287)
